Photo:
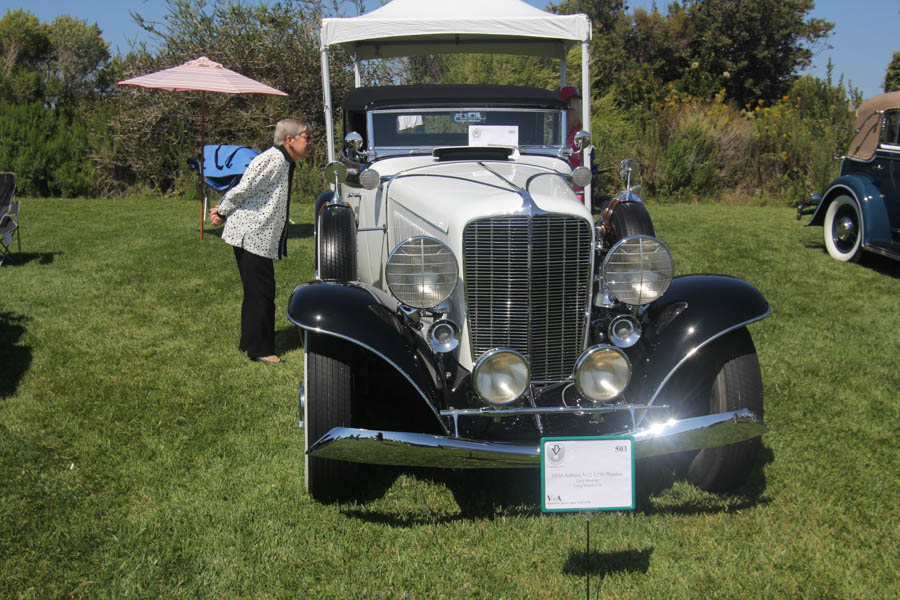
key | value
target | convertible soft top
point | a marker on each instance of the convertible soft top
(868, 124)
(403, 96)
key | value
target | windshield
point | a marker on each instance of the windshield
(429, 128)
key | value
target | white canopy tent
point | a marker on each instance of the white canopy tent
(419, 27)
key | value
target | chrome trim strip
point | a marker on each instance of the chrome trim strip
(546, 410)
(426, 450)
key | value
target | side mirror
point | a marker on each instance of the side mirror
(582, 140)
(336, 172)
(353, 142)
(629, 168)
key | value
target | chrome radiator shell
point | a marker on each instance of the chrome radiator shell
(527, 285)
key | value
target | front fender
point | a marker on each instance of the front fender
(876, 225)
(369, 318)
(694, 311)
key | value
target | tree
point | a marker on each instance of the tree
(276, 43)
(752, 49)
(892, 75)
(79, 57)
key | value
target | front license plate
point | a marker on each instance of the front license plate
(587, 473)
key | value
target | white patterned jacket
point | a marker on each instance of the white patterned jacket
(257, 207)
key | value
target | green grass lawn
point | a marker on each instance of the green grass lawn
(141, 455)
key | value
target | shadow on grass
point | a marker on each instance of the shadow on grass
(655, 495)
(486, 494)
(479, 493)
(602, 564)
(287, 339)
(17, 259)
(875, 262)
(16, 359)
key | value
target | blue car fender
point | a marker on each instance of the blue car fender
(876, 225)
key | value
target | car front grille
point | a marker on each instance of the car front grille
(527, 282)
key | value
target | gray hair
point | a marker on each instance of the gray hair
(288, 127)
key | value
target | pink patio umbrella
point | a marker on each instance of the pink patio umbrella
(202, 75)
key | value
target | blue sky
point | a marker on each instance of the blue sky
(863, 40)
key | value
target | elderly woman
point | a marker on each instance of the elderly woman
(255, 214)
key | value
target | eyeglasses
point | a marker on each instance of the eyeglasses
(306, 135)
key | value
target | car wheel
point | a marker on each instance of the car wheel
(336, 244)
(329, 404)
(736, 384)
(843, 230)
(630, 218)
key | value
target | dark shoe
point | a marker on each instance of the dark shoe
(267, 360)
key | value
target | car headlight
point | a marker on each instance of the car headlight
(501, 376)
(602, 373)
(638, 270)
(421, 272)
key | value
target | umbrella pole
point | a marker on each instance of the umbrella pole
(201, 189)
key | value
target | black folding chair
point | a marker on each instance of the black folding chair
(9, 216)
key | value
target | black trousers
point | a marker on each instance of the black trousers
(258, 306)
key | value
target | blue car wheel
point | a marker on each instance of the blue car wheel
(843, 230)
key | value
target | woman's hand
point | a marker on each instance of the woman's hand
(214, 217)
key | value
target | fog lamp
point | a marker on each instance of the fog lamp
(501, 376)
(602, 373)
(443, 336)
(624, 331)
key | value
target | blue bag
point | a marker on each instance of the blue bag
(223, 165)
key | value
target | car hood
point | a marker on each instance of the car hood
(440, 199)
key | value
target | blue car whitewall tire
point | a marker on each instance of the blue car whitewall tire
(843, 230)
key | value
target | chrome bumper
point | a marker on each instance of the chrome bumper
(424, 450)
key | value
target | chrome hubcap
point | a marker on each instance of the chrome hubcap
(845, 229)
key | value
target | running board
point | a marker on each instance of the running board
(425, 450)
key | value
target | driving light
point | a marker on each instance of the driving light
(443, 336)
(369, 179)
(638, 270)
(581, 176)
(602, 373)
(501, 376)
(624, 331)
(421, 272)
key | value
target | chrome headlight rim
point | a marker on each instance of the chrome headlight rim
(586, 356)
(614, 252)
(581, 176)
(405, 299)
(487, 356)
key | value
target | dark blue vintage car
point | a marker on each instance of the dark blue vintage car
(860, 210)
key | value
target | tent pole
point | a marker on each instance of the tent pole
(586, 109)
(202, 144)
(326, 92)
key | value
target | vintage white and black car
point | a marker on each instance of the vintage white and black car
(860, 210)
(466, 304)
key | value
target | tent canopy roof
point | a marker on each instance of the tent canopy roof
(417, 27)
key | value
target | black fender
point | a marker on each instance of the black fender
(694, 311)
(368, 317)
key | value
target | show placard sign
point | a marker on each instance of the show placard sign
(587, 473)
